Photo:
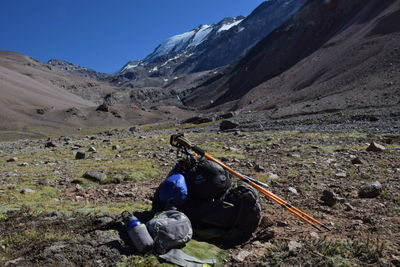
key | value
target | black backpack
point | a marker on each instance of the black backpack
(207, 180)
(230, 220)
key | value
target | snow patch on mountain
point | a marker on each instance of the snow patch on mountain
(201, 35)
(226, 27)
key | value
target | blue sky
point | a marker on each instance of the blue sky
(104, 34)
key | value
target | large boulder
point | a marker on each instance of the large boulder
(228, 125)
(97, 176)
(371, 190)
(375, 147)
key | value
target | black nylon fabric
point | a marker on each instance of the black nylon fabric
(207, 180)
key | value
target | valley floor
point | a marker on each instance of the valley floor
(51, 215)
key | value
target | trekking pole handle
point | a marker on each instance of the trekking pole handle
(178, 140)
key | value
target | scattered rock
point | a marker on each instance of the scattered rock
(228, 125)
(116, 147)
(80, 155)
(23, 164)
(358, 161)
(348, 207)
(266, 222)
(50, 144)
(92, 149)
(14, 159)
(265, 235)
(242, 255)
(293, 190)
(97, 176)
(294, 155)
(259, 168)
(134, 129)
(55, 213)
(341, 174)
(281, 224)
(27, 191)
(329, 198)
(294, 245)
(44, 182)
(272, 175)
(375, 147)
(371, 190)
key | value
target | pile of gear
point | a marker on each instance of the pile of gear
(198, 198)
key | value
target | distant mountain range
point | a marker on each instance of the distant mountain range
(288, 57)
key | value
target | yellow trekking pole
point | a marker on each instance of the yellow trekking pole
(178, 140)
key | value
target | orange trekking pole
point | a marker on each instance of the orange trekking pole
(178, 140)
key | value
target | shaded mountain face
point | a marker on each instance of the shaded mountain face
(329, 55)
(207, 46)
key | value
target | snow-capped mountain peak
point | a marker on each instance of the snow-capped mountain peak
(191, 38)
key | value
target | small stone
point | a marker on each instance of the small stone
(55, 213)
(134, 129)
(50, 144)
(14, 159)
(92, 149)
(371, 190)
(242, 255)
(23, 164)
(348, 207)
(259, 168)
(281, 224)
(294, 245)
(80, 155)
(314, 235)
(44, 182)
(375, 147)
(357, 161)
(118, 156)
(329, 198)
(294, 155)
(27, 191)
(341, 174)
(293, 190)
(115, 147)
(272, 175)
(97, 176)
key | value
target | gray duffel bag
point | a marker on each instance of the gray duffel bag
(170, 229)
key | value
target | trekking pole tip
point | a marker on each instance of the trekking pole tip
(326, 227)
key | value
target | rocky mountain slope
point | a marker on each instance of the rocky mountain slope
(331, 55)
(39, 98)
(62, 64)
